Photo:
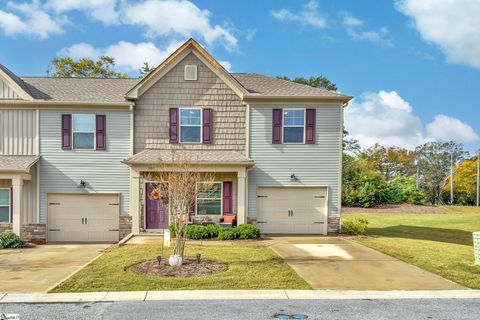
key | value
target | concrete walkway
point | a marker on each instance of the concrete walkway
(41, 297)
(40, 268)
(337, 264)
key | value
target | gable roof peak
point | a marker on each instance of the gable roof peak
(191, 45)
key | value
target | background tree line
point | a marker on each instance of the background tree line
(392, 175)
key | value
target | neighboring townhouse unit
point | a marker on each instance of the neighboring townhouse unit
(274, 146)
(61, 146)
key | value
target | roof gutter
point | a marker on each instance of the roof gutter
(66, 103)
(259, 98)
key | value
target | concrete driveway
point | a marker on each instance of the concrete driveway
(337, 264)
(39, 268)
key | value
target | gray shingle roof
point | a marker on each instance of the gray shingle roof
(149, 157)
(81, 89)
(17, 163)
(91, 90)
(270, 86)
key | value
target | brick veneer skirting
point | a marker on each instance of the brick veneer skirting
(125, 226)
(333, 225)
(5, 227)
(34, 233)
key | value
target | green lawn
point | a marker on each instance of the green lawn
(249, 267)
(440, 243)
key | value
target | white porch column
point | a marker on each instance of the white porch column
(17, 204)
(135, 200)
(241, 197)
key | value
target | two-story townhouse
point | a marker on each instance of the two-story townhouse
(61, 145)
(274, 147)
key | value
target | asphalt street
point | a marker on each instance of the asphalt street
(253, 309)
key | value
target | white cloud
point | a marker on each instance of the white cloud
(445, 128)
(354, 28)
(176, 18)
(308, 15)
(128, 56)
(383, 117)
(101, 10)
(453, 25)
(28, 19)
(226, 64)
(386, 118)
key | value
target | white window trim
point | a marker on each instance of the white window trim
(94, 131)
(9, 204)
(221, 202)
(293, 126)
(190, 125)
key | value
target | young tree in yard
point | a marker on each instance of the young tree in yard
(433, 161)
(317, 82)
(464, 181)
(177, 181)
(84, 68)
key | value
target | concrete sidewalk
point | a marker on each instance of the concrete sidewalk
(40, 297)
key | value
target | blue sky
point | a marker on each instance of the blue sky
(413, 66)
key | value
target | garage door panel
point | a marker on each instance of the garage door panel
(305, 204)
(83, 217)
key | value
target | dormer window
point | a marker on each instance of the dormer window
(190, 72)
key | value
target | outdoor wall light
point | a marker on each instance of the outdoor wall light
(82, 184)
(293, 177)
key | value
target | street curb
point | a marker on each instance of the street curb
(82, 297)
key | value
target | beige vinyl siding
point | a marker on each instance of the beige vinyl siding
(30, 213)
(18, 132)
(314, 164)
(209, 91)
(62, 170)
(6, 92)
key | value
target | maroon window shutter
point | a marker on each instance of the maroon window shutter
(207, 126)
(173, 116)
(101, 131)
(310, 127)
(227, 196)
(277, 126)
(66, 131)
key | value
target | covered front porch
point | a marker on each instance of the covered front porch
(226, 201)
(19, 197)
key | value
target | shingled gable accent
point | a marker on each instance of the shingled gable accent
(191, 46)
(14, 83)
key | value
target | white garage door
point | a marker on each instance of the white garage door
(296, 210)
(83, 217)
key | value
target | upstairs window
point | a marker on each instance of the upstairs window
(209, 202)
(4, 205)
(293, 125)
(83, 131)
(191, 125)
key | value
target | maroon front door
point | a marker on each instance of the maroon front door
(157, 213)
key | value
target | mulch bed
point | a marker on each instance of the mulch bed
(189, 268)
(395, 208)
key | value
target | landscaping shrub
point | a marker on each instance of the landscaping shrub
(228, 234)
(9, 239)
(355, 226)
(197, 232)
(172, 230)
(248, 231)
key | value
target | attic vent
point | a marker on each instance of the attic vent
(190, 72)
